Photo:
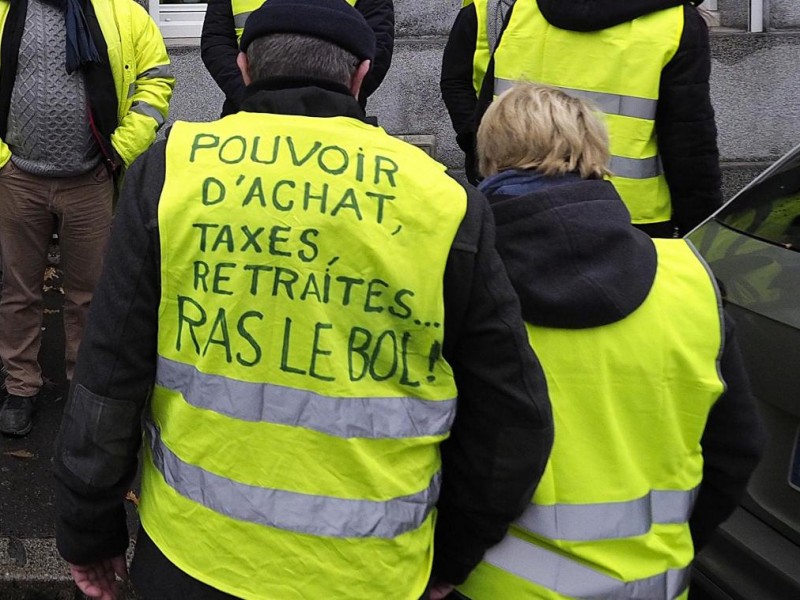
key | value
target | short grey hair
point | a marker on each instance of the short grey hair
(296, 55)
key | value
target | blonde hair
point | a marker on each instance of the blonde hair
(537, 127)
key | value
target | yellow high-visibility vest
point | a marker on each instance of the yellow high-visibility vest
(243, 8)
(619, 70)
(301, 393)
(630, 403)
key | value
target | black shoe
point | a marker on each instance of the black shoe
(16, 415)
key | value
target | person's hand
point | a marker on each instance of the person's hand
(99, 580)
(440, 590)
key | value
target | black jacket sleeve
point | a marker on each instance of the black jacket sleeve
(380, 17)
(733, 443)
(686, 129)
(97, 446)
(219, 49)
(456, 84)
(503, 431)
(592, 15)
(485, 99)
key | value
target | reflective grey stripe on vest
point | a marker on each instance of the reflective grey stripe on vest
(570, 578)
(164, 71)
(611, 104)
(239, 20)
(608, 520)
(635, 168)
(292, 511)
(143, 108)
(401, 417)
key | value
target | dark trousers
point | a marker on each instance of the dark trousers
(156, 578)
(28, 204)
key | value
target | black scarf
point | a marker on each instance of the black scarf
(81, 50)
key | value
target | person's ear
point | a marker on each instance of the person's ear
(358, 77)
(244, 67)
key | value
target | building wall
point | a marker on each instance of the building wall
(779, 14)
(784, 13)
(754, 85)
(755, 94)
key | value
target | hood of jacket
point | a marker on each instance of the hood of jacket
(570, 250)
(593, 15)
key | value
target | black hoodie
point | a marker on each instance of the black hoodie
(566, 274)
(575, 262)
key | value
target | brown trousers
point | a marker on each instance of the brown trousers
(27, 206)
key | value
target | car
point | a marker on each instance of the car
(752, 245)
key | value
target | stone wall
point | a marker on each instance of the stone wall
(779, 14)
(784, 14)
(754, 91)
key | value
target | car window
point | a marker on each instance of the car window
(769, 210)
(752, 245)
(756, 275)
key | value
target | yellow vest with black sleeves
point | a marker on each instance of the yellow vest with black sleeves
(619, 70)
(301, 393)
(630, 403)
(243, 8)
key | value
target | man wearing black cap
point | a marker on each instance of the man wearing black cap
(223, 26)
(291, 301)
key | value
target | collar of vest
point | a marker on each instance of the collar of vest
(305, 97)
(572, 255)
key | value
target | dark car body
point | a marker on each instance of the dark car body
(753, 247)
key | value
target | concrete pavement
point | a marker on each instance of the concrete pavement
(30, 568)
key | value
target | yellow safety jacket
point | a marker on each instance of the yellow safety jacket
(630, 403)
(301, 394)
(243, 8)
(619, 70)
(141, 70)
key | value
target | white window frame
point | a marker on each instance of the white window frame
(178, 21)
(755, 21)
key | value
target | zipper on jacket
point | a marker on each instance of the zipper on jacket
(108, 156)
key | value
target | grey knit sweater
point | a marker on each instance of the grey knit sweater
(48, 121)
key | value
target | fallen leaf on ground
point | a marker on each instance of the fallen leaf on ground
(20, 454)
(132, 497)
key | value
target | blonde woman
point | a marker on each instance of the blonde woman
(656, 428)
